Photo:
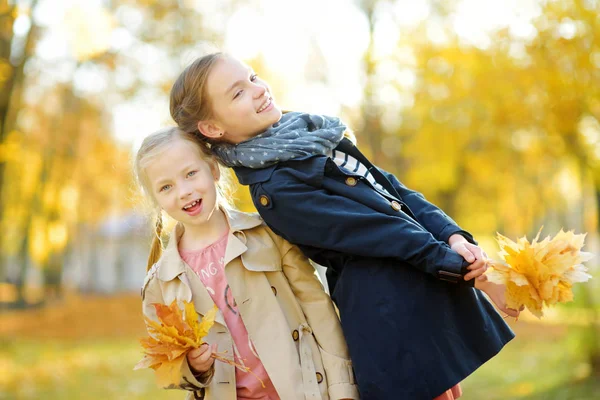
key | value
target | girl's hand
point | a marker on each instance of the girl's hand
(200, 359)
(496, 293)
(471, 253)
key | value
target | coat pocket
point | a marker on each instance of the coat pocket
(338, 369)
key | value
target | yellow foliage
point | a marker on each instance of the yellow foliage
(38, 245)
(89, 36)
(172, 338)
(540, 273)
(58, 235)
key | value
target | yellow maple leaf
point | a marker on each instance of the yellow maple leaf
(540, 273)
(171, 338)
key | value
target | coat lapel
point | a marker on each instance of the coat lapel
(173, 267)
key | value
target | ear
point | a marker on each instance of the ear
(210, 129)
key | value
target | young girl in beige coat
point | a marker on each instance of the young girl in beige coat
(274, 316)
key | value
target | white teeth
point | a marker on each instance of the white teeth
(267, 104)
(191, 205)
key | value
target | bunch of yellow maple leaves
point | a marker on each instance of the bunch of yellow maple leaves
(540, 273)
(169, 341)
(172, 338)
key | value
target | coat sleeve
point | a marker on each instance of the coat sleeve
(323, 321)
(431, 217)
(151, 294)
(311, 216)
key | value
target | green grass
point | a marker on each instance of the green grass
(73, 350)
(99, 369)
(541, 363)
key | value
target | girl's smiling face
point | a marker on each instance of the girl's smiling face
(242, 104)
(183, 183)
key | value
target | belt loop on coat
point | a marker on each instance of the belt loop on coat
(309, 375)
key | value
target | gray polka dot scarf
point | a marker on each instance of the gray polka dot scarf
(295, 135)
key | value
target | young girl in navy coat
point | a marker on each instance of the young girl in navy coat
(406, 278)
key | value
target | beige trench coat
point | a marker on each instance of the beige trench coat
(290, 319)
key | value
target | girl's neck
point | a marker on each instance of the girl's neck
(196, 237)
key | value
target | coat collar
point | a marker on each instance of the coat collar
(173, 265)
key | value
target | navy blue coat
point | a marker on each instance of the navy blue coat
(414, 327)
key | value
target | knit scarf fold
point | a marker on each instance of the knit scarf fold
(296, 135)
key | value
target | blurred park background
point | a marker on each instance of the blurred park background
(490, 108)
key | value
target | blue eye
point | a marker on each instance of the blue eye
(191, 173)
(166, 187)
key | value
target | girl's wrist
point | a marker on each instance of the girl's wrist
(456, 238)
(197, 373)
(481, 284)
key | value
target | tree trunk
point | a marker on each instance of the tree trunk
(594, 336)
(10, 91)
(23, 261)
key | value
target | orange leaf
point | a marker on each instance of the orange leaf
(171, 316)
(168, 374)
(171, 338)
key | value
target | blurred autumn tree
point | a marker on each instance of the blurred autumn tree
(504, 137)
(60, 167)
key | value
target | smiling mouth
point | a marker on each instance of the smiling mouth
(193, 205)
(266, 104)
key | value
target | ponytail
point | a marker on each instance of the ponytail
(156, 250)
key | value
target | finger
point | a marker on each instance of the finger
(474, 274)
(465, 253)
(477, 264)
(482, 278)
(194, 354)
(477, 252)
(511, 312)
(205, 357)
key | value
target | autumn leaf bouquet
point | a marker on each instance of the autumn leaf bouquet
(540, 273)
(172, 338)
(169, 341)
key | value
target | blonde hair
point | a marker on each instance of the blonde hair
(153, 145)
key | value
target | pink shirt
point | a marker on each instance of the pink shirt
(208, 264)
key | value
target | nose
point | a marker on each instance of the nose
(184, 191)
(262, 91)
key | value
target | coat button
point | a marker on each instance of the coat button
(351, 181)
(396, 206)
(274, 290)
(295, 335)
(264, 200)
(319, 377)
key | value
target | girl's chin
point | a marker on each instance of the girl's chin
(274, 116)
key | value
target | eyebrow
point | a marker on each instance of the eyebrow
(162, 181)
(249, 70)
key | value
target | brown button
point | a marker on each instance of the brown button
(295, 335)
(319, 377)
(396, 206)
(351, 181)
(264, 200)
(274, 290)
